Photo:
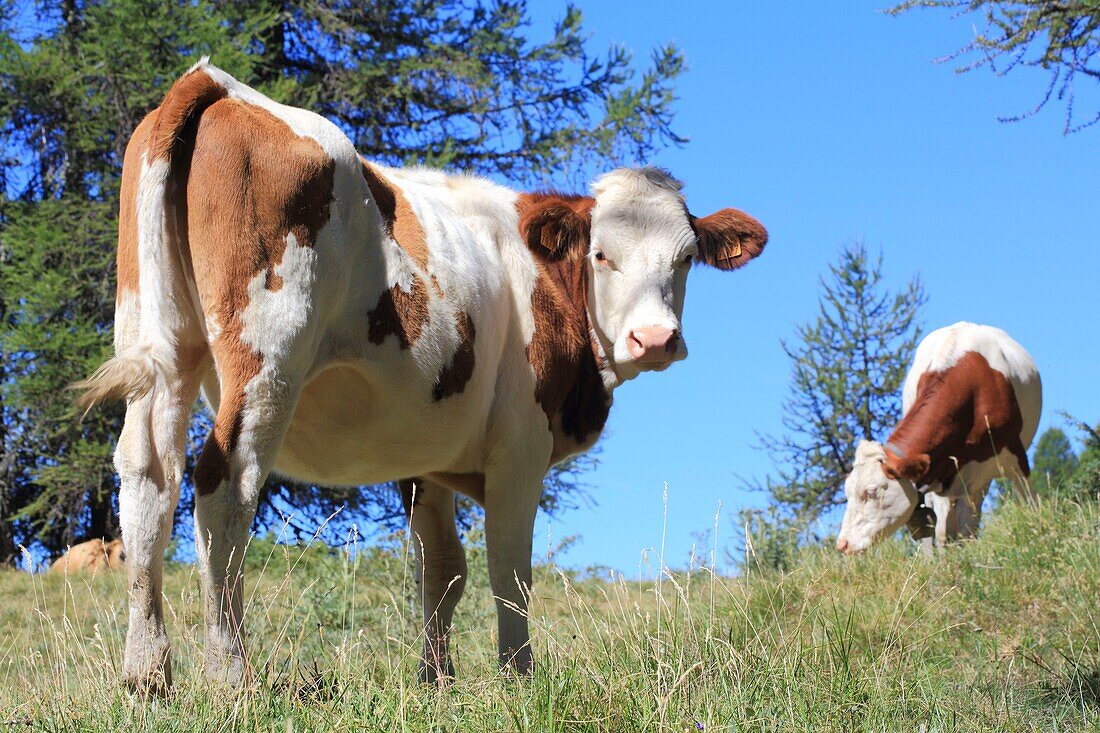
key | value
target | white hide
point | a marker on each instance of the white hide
(640, 227)
(876, 506)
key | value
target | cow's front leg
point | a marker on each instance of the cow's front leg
(511, 500)
(440, 568)
(969, 508)
(232, 468)
(947, 522)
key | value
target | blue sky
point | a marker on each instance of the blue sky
(828, 122)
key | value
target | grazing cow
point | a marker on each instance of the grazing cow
(91, 557)
(970, 408)
(350, 323)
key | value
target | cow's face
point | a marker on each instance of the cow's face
(637, 241)
(877, 504)
(643, 243)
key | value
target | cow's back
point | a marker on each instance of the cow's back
(983, 367)
(392, 298)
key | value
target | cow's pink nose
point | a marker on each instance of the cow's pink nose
(653, 344)
(842, 545)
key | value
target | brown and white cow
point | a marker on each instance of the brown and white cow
(91, 557)
(352, 324)
(970, 404)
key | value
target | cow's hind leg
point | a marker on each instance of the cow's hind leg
(252, 418)
(149, 460)
(441, 569)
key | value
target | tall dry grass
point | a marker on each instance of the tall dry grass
(996, 634)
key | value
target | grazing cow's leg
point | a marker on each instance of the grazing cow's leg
(1019, 472)
(149, 460)
(440, 566)
(511, 500)
(233, 466)
(969, 507)
(946, 517)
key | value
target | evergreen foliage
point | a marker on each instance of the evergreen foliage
(1060, 39)
(847, 369)
(450, 83)
(1053, 462)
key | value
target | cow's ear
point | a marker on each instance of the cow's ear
(729, 238)
(555, 228)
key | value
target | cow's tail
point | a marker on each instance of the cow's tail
(164, 291)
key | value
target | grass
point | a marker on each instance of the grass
(996, 634)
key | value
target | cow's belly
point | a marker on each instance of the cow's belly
(352, 426)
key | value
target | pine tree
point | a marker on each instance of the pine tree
(1083, 484)
(441, 82)
(1053, 463)
(847, 368)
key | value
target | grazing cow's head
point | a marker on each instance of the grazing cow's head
(878, 504)
(640, 241)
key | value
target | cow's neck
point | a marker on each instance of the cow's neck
(933, 425)
(574, 379)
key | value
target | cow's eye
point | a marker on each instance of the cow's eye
(686, 262)
(600, 256)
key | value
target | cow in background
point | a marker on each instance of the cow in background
(970, 409)
(91, 557)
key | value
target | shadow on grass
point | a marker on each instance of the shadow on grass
(1078, 685)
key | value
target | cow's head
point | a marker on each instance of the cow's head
(640, 241)
(878, 504)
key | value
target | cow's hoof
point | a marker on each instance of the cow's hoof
(437, 677)
(517, 663)
(229, 670)
(147, 666)
(441, 676)
(151, 686)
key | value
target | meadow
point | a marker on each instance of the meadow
(995, 634)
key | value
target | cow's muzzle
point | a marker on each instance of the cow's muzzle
(653, 346)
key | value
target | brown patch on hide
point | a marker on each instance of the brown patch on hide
(398, 218)
(568, 383)
(454, 376)
(126, 262)
(251, 183)
(399, 313)
(965, 413)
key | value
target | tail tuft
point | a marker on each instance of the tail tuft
(128, 376)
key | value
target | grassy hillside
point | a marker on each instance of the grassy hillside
(998, 634)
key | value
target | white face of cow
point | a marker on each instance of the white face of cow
(877, 506)
(643, 243)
